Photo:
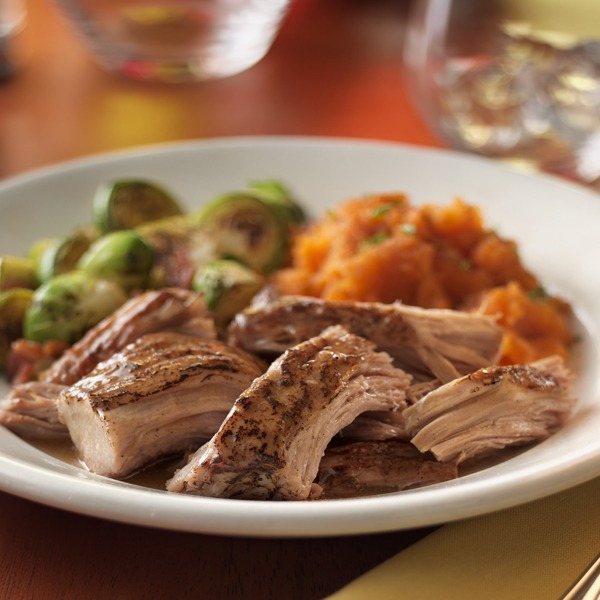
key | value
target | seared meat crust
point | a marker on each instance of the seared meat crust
(167, 309)
(270, 444)
(426, 343)
(161, 395)
(492, 408)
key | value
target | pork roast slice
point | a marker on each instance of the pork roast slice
(367, 468)
(424, 342)
(376, 425)
(270, 445)
(379, 425)
(167, 309)
(161, 395)
(30, 411)
(492, 408)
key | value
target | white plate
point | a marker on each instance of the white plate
(555, 224)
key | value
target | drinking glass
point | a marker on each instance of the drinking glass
(12, 20)
(517, 80)
(176, 40)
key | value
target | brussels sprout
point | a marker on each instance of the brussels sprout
(180, 247)
(62, 255)
(248, 229)
(13, 306)
(126, 204)
(276, 194)
(67, 305)
(38, 248)
(228, 288)
(180, 227)
(121, 256)
(17, 272)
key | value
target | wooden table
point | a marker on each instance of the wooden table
(335, 70)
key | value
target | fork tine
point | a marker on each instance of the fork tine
(587, 587)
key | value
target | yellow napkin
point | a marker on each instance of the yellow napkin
(534, 551)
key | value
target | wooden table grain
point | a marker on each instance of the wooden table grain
(335, 70)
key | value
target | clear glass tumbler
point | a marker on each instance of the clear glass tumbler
(176, 40)
(512, 79)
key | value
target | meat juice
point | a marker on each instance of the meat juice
(153, 477)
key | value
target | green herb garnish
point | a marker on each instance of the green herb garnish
(379, 211)
(375, 240)
(537, 293)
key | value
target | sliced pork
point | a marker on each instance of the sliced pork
(424, 342)
(367, 468)
(30, 410)
(491, 409)
(270, 445)
(377, 425)
(160, 395)
(168, 309)
(381, 425)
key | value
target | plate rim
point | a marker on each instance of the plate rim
(265, 517)
(183, 145)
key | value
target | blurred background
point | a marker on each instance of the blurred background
(515, 81)
(335, 69)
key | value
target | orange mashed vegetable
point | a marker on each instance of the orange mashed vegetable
(381, 248)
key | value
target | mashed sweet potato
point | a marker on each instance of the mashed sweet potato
(382, 248)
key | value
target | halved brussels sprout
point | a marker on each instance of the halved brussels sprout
(62, 255)
(280, 198)
(126, 204)
(121, 256)
(66, 306)
(228, 287)
(180, 246)
(14, 303)
(178, 226)
(248, 229)
(17, 272)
